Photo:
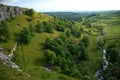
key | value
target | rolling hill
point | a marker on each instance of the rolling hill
(51, 48)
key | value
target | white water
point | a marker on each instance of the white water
(98, 75)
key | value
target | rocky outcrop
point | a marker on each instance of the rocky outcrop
(6, 60)
(10, 11)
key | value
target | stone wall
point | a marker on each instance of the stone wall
(10, 11)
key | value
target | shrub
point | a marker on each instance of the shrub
(50, 57)
(30, 12)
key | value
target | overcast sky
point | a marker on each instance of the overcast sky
(66, 5)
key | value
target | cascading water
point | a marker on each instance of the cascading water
(98, 74)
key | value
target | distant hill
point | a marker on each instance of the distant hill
(79, 15)
(71, 15)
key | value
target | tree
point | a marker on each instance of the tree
(83, 56)
(39, 27)
(87, 23)
(50, 44)
(76, 32)
(30, 12)
(31, 29)
(85, 41)
(24, 36)
(114, 54)
(99, 27)
(4, 32)
(68, 32)
(48, 27)
(59, 42)
(60, 28)
(63, 37)
(50, 57)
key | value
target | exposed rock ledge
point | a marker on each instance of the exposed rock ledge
(6, 59)
(10, 11)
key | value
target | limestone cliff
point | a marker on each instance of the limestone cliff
(10, 11)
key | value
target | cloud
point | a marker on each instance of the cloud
(66, 5)
(8, 1)
(74, 5)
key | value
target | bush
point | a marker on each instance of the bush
(85, 41)
(39, 28)
(50, 57)
(31, 29)
(68, 32)
(114, 54)
(48, 27)
(4, 32)
(76, 32)
(24, 36)
(30, 12)
(60, 28)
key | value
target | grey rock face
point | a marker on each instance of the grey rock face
(6, 60)
(10, 11)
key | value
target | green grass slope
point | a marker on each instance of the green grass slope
(31, 57)
(33, 52)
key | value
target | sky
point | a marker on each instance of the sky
(66, 5)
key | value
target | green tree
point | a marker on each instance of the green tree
(23, 38)
(30, 12)
(4, 32)
(87, 23)
(63, 37)
(84, 55)
(60, 28)
(85, 41)
(68, 32)
(114, 54)
(50, 44)
(59, 42)
(31, 29)
(48, 27)
(76, 32)
(39, 27)
(50, 57)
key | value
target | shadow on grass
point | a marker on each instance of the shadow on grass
(2, 40)
(40, 62)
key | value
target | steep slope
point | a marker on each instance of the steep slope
(72, 44)
(33, 65)
(31, 57)
(7, 73)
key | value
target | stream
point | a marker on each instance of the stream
(98, 74)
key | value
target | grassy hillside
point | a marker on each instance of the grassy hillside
(111, 22)
(111, 42)
(33, 64)
(66, 38)
(6, 73)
